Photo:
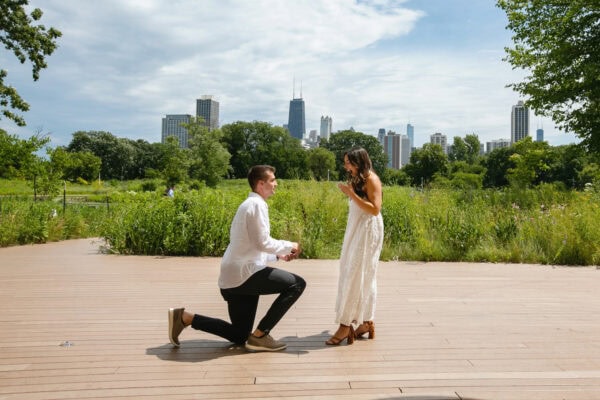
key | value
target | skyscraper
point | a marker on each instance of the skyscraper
(410, 132)
(171, 126)
(519, 122)
(208, 109)
(539, 135)
(296, 119)
(325, 127)
(442, 140)
(381, 136)
(497, 144)
(405, 150)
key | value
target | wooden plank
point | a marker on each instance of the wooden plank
(444, 331)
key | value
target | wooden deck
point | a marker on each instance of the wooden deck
(76, 324)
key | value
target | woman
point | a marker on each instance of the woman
(357, 287)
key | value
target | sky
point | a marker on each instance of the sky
(122, 65)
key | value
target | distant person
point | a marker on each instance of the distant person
(363, 240)
(245, 275)
(171, 191)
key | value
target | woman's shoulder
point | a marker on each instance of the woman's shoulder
(373, 179)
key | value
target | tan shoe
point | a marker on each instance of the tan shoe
(175, 325)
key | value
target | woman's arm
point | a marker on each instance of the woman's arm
(372, 204)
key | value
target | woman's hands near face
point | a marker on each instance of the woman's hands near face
(346, 188)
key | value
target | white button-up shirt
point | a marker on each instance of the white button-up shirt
(250, 245)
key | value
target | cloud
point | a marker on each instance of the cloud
(122, 66)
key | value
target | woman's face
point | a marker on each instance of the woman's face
(348, 166)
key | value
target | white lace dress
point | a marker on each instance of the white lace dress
(357, 287)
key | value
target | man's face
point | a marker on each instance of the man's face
(266, 188)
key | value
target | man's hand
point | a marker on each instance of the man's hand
(293, 254)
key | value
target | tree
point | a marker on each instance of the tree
(393, 176)
(148, 158)
(497, 163)
(566, 164)
(251, 143)
(17, 156)
(117, 154)
(321, 163)
(75, 165)
(425, 163)
(27, 41)
(176, 162)
(558, 42)
(473, 145)
(209, 157)
(531, 163)
(342, 141)
(459, 150)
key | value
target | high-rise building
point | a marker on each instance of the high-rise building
(410, 132)
(442, 140)
(405, 150)
(208, 109)
(325, 131)
(539, 135)
(397, 148)
(171, 126)
(296, 119)
(391, 147)
(381, 136)
(519, 122)
(497, 144)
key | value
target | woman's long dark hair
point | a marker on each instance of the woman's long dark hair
(360, 159)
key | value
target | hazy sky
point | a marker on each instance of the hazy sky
(122, 65)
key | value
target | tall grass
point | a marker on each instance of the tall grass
(545, 225)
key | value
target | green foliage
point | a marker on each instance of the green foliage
(27, 41)
(547, 224)
(558, 42)
(176, 162)
(189, 224)
(117, 154)
(321, 163)
(497, 163)
(148, 186)
(75, 165)
(252, 143)
(466, 149)
(209, 158)
(342, 141)
(395, 177)
(23, 221)
(18, 156)
(312, 213)
(425, 163)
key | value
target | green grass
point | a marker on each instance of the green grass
(542, 225)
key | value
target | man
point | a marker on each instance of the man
(245, 276)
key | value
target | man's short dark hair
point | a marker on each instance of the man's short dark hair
(258, 173)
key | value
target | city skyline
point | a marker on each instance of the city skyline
(434, 64)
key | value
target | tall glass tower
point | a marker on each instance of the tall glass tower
(539, 133)
(325, 127)
(519, 122)
(296, 119)
(208, 109)
(410, 132)
(171, 126)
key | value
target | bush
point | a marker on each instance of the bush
(548, 225)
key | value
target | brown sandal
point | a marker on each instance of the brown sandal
(336, 341)
(365, 327)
